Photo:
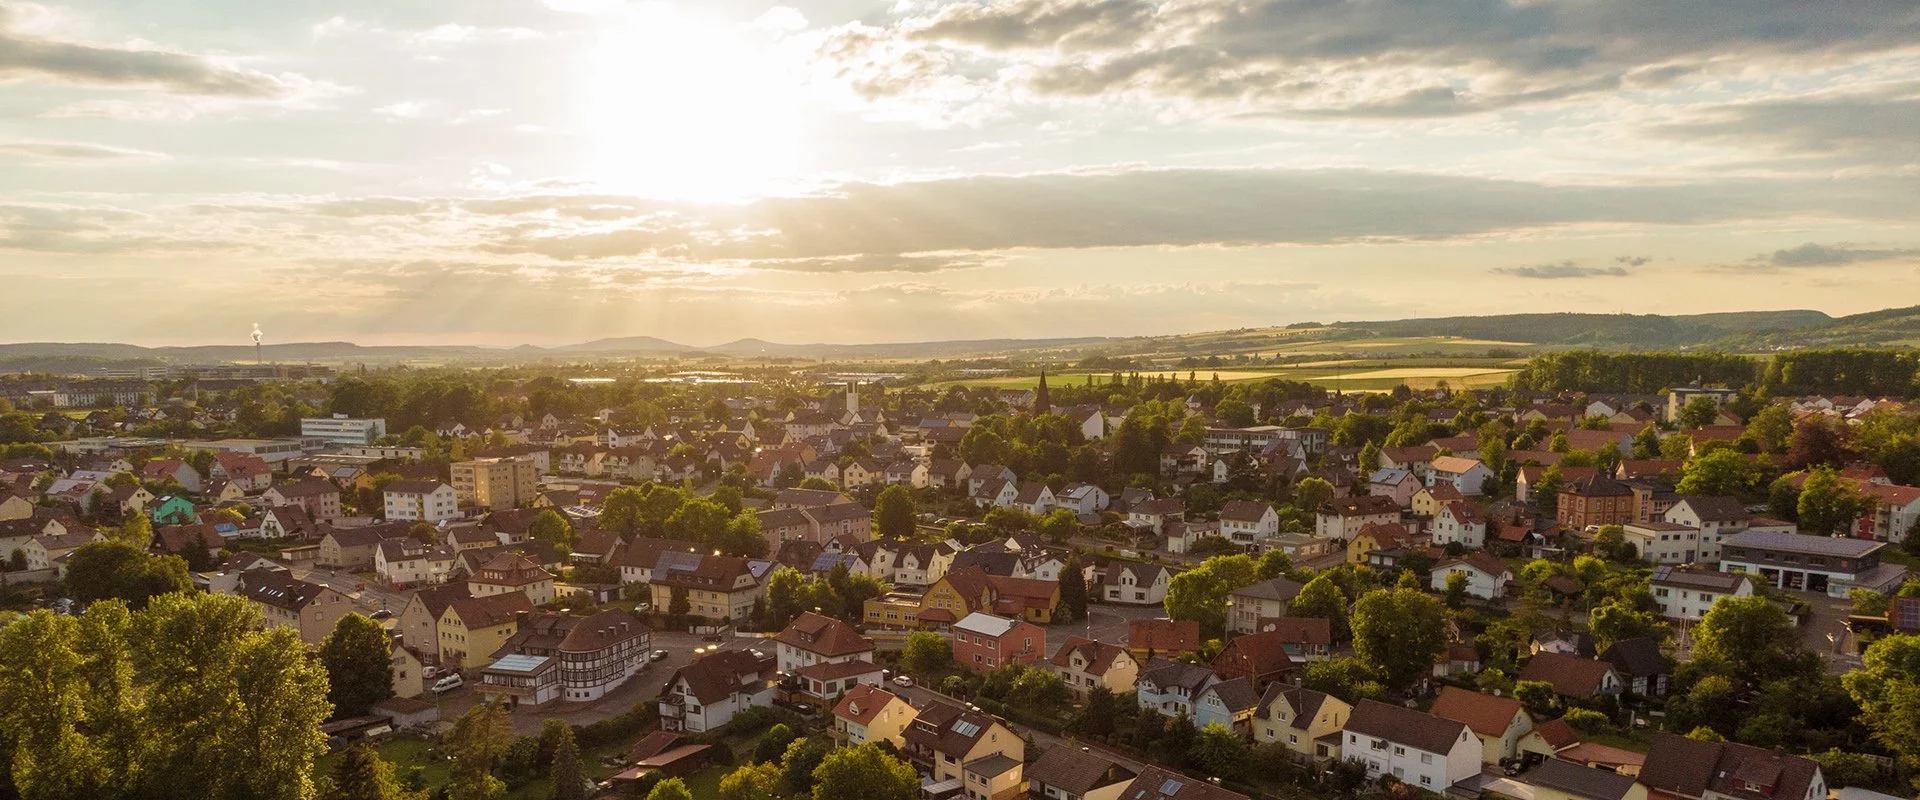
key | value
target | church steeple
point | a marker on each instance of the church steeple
(1041, 402)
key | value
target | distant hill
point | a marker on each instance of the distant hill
(1639, 331)
(1892, 327)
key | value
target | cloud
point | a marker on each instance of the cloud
(73, 152)
(1560, 270)
(1387, 58)
(914, 263)
(1633, 261)
(28, 56)
(1142, 208)
(1872, 126)
(1833, 255)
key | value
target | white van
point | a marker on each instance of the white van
(449, 683)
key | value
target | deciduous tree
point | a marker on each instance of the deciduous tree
(864, 773)
(1402, 630)
(358, 659)
(893, 513)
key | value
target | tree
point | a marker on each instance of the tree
(1456, 596)
(1771, 427)
(1401, 630)
(1309, 493)
(752, 782)
(1349, 679)
(893, 513)
(1887, 688)
(357, 655)
(1646, 443)
(569, 779)
(1699, 412)
(1221, 753)
(424, 533)
(699, 520)
(1273, 564)
(670, 789)
(678, 604)
(361, 774)
(475, 744)
(864, 773)
(1588, 722)
(1545, 494)
(1719, 472)
(116, 569)
(1616, 620)
(1201, 593)
(1816, 443)
(802, 758)
(1073, 588)
(1099, 716)
(926, 653)
(1058, 525)
(1751, 636)
(1537, 696)
(1611, 543)
(773, 745)
(137, 531)
(548, 526)
(1705, 734)
(1369, 458)
(1234, 412)
(1827, 504)
(620, 511)
(1322, 597)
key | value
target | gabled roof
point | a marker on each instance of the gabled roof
(1164, 635)
(280, 589)
(491, 610)
(1298, 630)
(1689, 768)
(1254, 654)
(1709, 580)
(1405, 726)
(1485, 714)
(948, 729)
(1244, 510)
(1159, 783)
(1282, 588)
(1716, 508)
(1143, 574)
(306, 487)
(720, 675)
(824, 636)
(1097, 656)
(1368, 506)
(1637, 657)
(1586, 783)
(1455, 464)
(1305, 703)
(1571, 676)
(1236, 693)
(1074, 771)
(862, 703)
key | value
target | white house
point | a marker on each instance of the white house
(1460, 523)
(1419, 749)
(1487, 577)
(1171, 687)
(1135, 584)
(1245, 522)
(421, 501)
(1083, 498)
(1466, 474)
(706, 694)
(1688, 594)
(1716, 518)
(1034, 498)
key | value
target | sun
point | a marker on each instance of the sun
(686, 109)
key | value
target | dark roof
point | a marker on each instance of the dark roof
(1717, 508)
(280, 589)
(1405, 726)
(1074, 771)
(1244, 510)
(1164, 635)
(1581, 781)
(491, 610)
(1099, 656)
(1163, 673)
(1370, 505)
(947, 729)
(1570, 675)
(1256, 655)
(1690, 768)
(1799, 543)
(1597, 486)
(1305, 703)
(1143, 574)
(1237, 694)
(992, 766)
(1159, 783)
(1282, 588)
(1638, 656)
(717, 676)
(1706, 579)
(412, 487)
(824, 636)
(307, 487)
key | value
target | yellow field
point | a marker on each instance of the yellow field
(1424, 372)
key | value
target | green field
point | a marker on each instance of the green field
(1347, 374)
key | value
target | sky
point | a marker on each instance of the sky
(500, 172)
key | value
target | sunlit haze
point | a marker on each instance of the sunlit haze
(502, 172)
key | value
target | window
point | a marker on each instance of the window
(1426, 758)
(1425, 780)
(1399, 751)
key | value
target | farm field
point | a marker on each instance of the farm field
(1346, 375)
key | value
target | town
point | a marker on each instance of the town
(1613, 577)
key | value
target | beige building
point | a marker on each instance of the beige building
(1307, 722)
(472, 629)
(309, 609)
(513, 572)
(495, 483)
(871, 714)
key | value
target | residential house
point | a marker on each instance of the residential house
(1640, 663)
(1689, 769)
(1156, 516)
(1377, 536)
(1168, 638)
(1688, 594)
(1304, 638)
(1171, 687)
(1084, 498)
(1228, 703)
(246, 471)
(309, 609)
(637, 560)
(1245, 522)
(286, 522)
(717, 587)
(1428, 501)
(1130, 583)
(1412, 459)
(1487, 577)
(172, 510)
(1308, 723)
(1594, 501)
(161, 470)
(814, 638)
(317, 496)
(871, 714)
(706, 694)
(1261, 658)
(945, 742)
(420, 501)
(1247, 605)
(1083, 664)
(984, 642)
(1460, 523)
(50, 550)
(1160, 783)
(1342, 517)
(1398, 485)
(408, 562)
(1530, 475)
(1572, 676)
(472, 629)
(1716, 518)
(419, 622)
(1467, 475)
(1067, 773)
(1499, 722)
(1419, 749)
(995, 493)
(512, 572)
(1556, 779)
(825, 682)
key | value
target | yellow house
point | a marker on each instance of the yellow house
(409, 675)
(1306, 722)
(1500, 722)
(945, 740)
(13, 506)
(472, 629)
(1428, 502)
(1375, 536)
(871, 714)
(957, 594)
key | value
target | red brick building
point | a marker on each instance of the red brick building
(1595, 501)
(984, 642)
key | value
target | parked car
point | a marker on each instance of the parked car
(713, 638)
(381, 614)
(658, 655)
(903, 681)
(449, 683)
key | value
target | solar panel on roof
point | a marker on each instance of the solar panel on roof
(676, 561)
(1171, 787)
(965, 728)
